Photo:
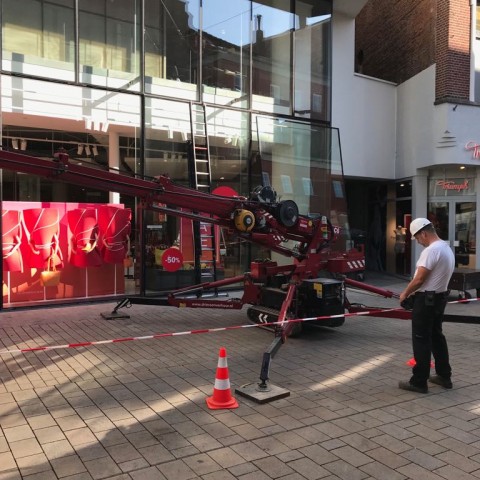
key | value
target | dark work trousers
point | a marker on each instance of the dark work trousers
(428, 338)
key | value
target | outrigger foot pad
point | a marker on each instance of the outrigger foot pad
(114, 315)
(262, 394)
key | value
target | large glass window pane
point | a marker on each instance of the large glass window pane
(226, 52)
(93, 126)
(39, 38)
(302, 162)
(438, 215)
(167, 127)
(271, 52)
(109, 49)
(229, 134)
(171, 47)
(312, 77)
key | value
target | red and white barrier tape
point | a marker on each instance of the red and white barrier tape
(208, 330)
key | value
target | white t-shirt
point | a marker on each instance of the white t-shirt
(439, 259)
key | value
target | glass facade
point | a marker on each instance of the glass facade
(172, 48)
(272, 56)
(109, 43)
(302, 163)
(312, 60)
(226, 52)
(260, 55)
(130, 85)
(38, 38)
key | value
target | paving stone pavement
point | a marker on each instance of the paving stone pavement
(136, 409)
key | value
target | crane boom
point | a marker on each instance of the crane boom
(262, 219)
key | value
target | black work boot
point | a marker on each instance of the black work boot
(442, 381)
(412, 388)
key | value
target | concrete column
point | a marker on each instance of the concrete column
(391, 226)
(113, 160)
(419, 208)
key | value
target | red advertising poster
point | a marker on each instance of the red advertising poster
(56, 251)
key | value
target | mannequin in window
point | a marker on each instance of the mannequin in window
(400, 236)
(399, 248)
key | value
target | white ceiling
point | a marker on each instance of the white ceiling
(348, 7)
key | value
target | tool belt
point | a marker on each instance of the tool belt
(431, 297)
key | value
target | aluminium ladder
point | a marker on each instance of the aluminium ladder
(201, 179)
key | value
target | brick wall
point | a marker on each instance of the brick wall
(395, 40)
(453, 49)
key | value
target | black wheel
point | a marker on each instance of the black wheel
(464, 295)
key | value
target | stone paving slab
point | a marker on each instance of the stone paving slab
(136, 410)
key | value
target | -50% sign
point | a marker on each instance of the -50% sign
(172, 259)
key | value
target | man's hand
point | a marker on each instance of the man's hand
(418, 280)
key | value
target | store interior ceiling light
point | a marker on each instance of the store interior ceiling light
(15, 143)
(23, 144)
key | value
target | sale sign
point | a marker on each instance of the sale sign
(172, 259)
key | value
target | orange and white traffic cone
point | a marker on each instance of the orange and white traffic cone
(222, 396)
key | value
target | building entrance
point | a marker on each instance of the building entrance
(455, 221)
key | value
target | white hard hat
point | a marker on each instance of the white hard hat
(418, 224)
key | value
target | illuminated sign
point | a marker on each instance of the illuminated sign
(451, 185)
(475, 147)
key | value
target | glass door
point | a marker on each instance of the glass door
(438, 214)
(455, 222)
(465, 234)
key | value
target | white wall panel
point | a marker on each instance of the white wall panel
(364, 109)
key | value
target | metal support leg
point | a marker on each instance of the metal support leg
(264, 392)
(114, 314)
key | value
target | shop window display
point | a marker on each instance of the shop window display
(62, 250)
(164, 233)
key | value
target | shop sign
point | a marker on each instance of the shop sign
(474, 147)
(172, 259)
(451, 185)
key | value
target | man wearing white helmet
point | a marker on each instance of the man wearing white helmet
(429, 289)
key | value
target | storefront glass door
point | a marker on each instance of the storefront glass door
(455, 222)
(465, 234)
